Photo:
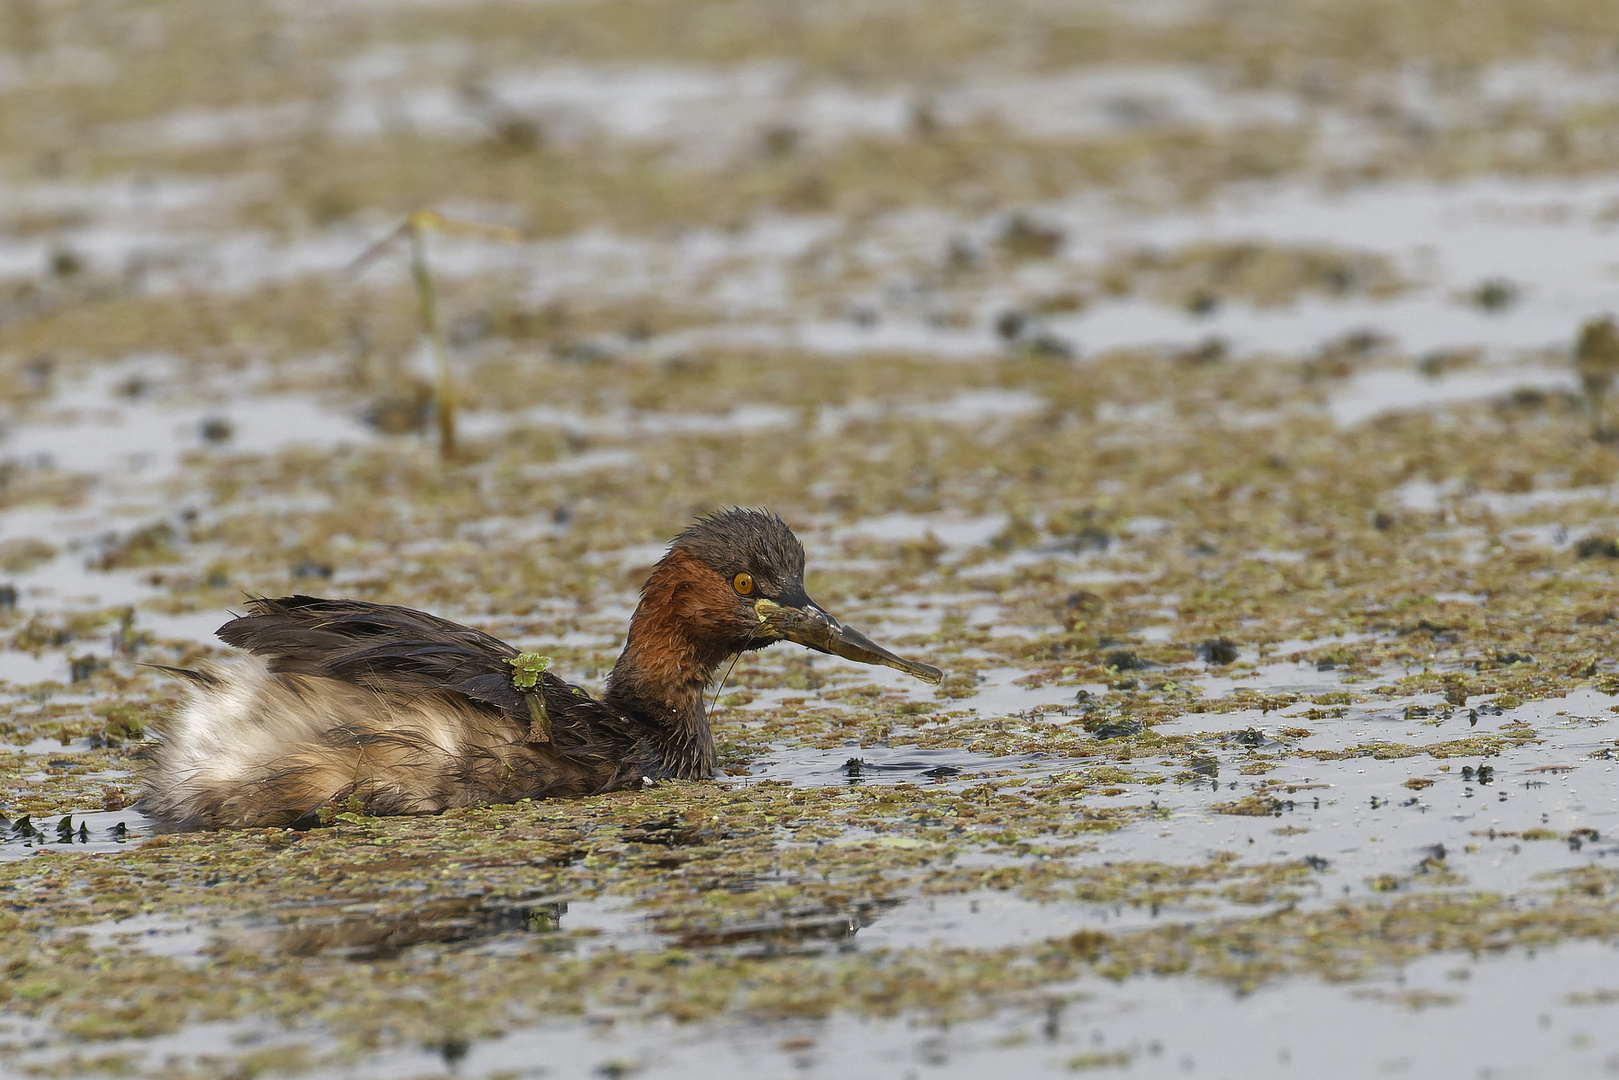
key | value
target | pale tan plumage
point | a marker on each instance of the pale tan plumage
(250, 747)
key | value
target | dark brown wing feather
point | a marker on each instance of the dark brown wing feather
(403, 654)
(387, 649)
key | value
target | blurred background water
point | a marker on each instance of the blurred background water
(1155, 366)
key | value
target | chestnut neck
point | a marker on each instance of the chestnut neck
(677, 639)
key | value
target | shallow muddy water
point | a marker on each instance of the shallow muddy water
(1194, 384)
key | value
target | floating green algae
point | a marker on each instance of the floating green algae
(1195, 612)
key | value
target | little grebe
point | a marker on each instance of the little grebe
(401, 712)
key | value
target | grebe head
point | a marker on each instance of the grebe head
(733, 581)
(745, 571)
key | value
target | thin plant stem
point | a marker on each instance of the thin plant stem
(444, 391)
(416, 227)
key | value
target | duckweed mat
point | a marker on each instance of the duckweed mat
(1218, 393)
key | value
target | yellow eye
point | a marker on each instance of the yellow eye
(743, 583)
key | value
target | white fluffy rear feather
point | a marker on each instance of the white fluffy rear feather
(251, 748)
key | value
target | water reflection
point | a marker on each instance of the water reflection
(93, 831)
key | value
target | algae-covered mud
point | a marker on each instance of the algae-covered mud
(1217, 392)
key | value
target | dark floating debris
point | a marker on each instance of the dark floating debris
(216, 430)
(65, 262)
(81, 668)
(1433, 861)
(1118, 729)
(1495, 294)
(1597, 547)
(780, 141)
(1124, 660)
(1441, 362)
(1010, 324)
(1439, 632)
(454, 1049)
